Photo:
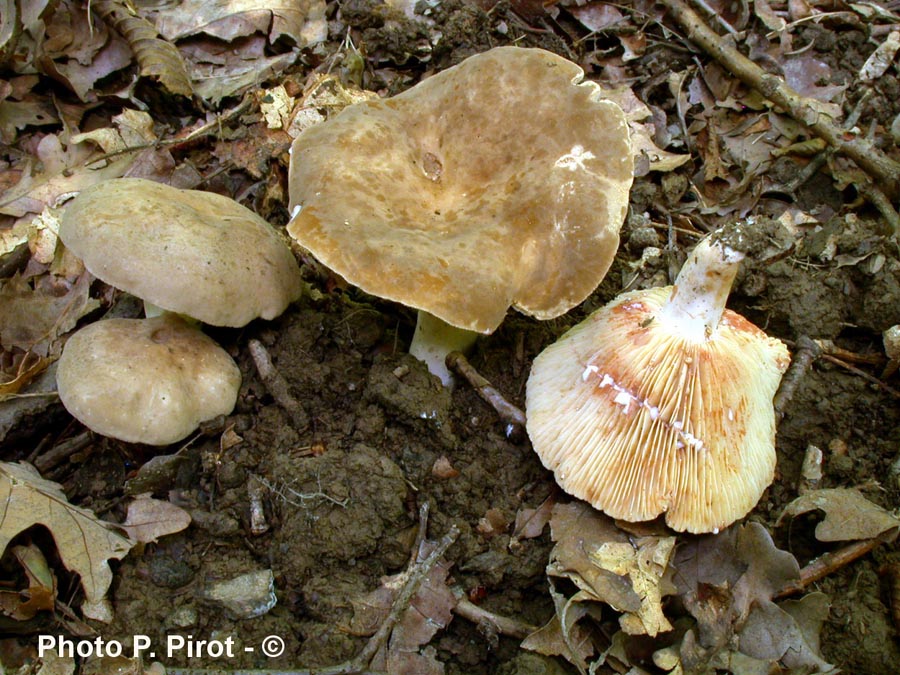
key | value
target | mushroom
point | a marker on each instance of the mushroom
(192, 253)
(145, 380)
(661, 402)
(195, 253)
(500, 182)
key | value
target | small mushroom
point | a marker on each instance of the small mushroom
(661, 402)
(192, 253)
(500, 182)
(195, 253)
(145, 380)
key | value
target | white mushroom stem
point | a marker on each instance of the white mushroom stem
(434, 339)
(701, 290)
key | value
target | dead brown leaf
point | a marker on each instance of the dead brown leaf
(727, 582)
(76, 50)
(84, 542)
(563, 635)
(848, 515)
(429, 611)
(157, 58)
(149, 519)
(33, 317)
(530, 523)
(302, 21)
(41, 592)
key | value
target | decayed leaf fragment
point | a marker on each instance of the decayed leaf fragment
(611, 567)
(31, 319)
(848, 515)
(608, 566)
(429, 611)
(40, 595)
(156, 57)
(149, 518)
(84, 542)
(726, 583)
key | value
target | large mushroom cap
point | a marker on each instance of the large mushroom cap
(501, 181)
(192, 252)
(639, 419)
(145, 380)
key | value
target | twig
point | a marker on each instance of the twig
(416, 574)
(878, 165)
(480, 616)
(832, 561)
(861, 373)
(277, 385)
(510, 414)
(214, 126)
(62, 451)
(806, 352)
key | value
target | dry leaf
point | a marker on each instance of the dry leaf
(301, 20)
(881, 59)
(848, 515)
(149, 519)
(40, 595)
(642, 134)
(26, 370)
(530, 523)
(219, 69)
(563, 635)
(77, 50)
(32, 319)
(157, 58)
(767, 15)
(429, 611)
(61, 170)
(84, 542)
(578, 529)
(643, 561)
(727, 582)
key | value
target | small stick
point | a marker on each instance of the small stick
(806, 352)
(500, 624)
(863, 374)
(828, 347)
(277, 385)
(256, 490)
(62, 451)
(510, 414)
(831, 562)
(862, 151)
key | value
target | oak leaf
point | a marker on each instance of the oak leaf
(85, 543)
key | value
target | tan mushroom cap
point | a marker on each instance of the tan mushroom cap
(191, 252)
(501, 181)
(145, 380)
(639, 421)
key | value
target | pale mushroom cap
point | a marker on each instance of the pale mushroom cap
(191, 252)
(638, 421)
(500, 182)
(145, 380)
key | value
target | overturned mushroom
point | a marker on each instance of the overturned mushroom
(661, 402)
(145, 380)
(500, 182)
